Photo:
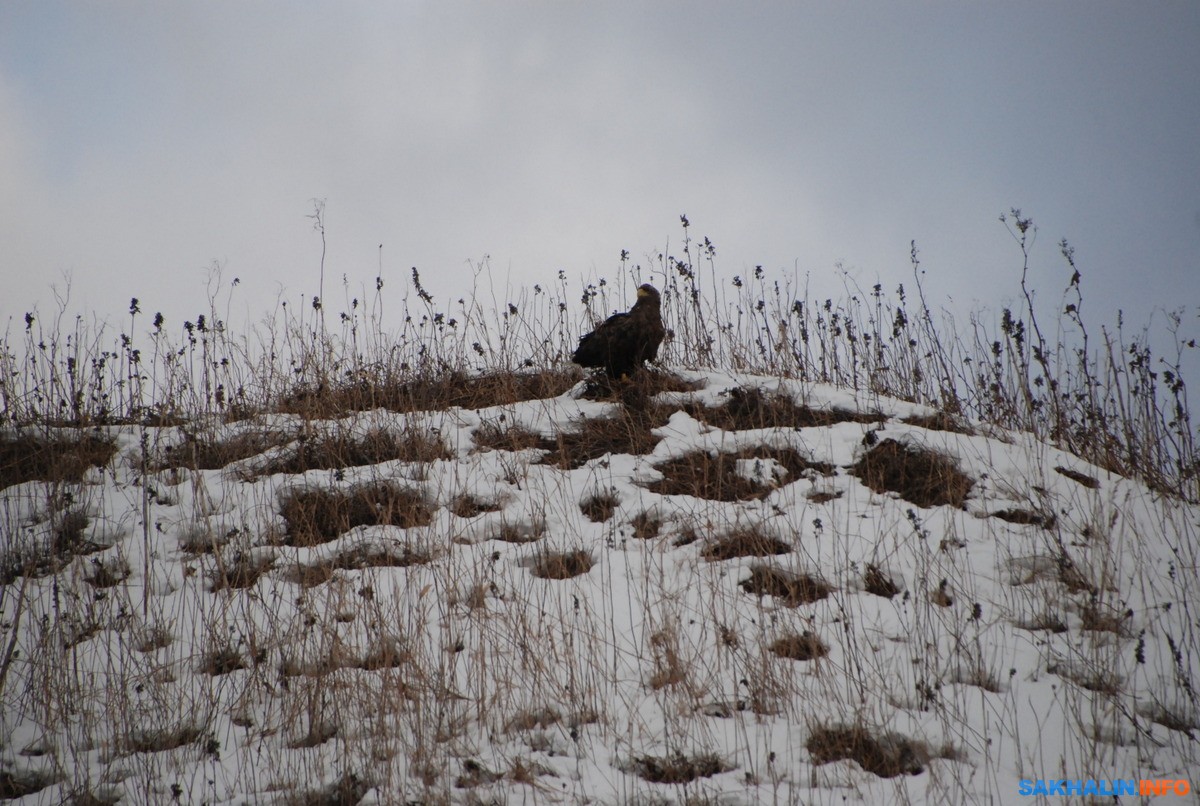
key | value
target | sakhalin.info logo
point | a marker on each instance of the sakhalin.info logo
(1113, 788)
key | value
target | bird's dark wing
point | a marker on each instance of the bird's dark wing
(595, 348)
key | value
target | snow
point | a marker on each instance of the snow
(424, 680)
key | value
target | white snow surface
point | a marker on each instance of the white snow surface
(463, 677)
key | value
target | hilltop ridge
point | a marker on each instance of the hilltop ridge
(712, 587)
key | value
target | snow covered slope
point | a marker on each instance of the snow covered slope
(749, 591)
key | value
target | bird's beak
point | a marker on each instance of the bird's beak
(642, 293)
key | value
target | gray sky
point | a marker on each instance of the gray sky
(141, 142)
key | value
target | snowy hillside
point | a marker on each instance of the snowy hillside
(718, 589)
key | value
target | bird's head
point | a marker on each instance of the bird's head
(647, 293)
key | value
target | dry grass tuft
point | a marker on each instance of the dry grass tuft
(1043, 622)
(1081, 478)
(1072, 578)
(750, 408)
(636, 392)
(318, 516)
(468, 506)
(805, 646)
(678, 769)
(824, 496)
(1098, 618)
(200, 539)
(434, 392)
(475, 774)
(1026, 517)
(879, 583)
(940, 421)
(646, 525)
(921, 477)
(793, 589)
(28, 458)
(600, 436)
(348, 790)
(717, 478)
(520, 532)
(19, 783)
(333, 452)
(67, 542)
(496, 436)
(107, 574)
(600, 507)
(156, 741)
(562, 565)
(746, 542)
(887, 756)
(222, 660)
(242, 573)
(359, 557)
(206, 452)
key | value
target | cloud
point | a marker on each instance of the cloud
(143, 143)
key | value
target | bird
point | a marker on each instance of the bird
(622, 342)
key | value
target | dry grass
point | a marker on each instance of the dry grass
(637, 393)
(57, 459)
(940, 421)
(432, 392)
(886, 755)
(717, 478)
(242, 571)
(804, 646)
(68, 540)
(878, 583)
(921, 477)
(596, 437)
(415, 675)
(591, 438)
(562, 565)
(678, 769)
(201, 451)
(646, 525)
(791, 589)
(1081, 478)
(357, 558)
(318, 516)
(469, 506)
(336, 452)
(1026, 517)
(746, 542)
(600, 507)
(750, 408)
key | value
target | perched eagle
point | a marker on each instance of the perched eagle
(623, 341)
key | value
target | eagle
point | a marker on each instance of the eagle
(623, 341)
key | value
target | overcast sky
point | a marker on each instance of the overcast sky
(140, 143)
